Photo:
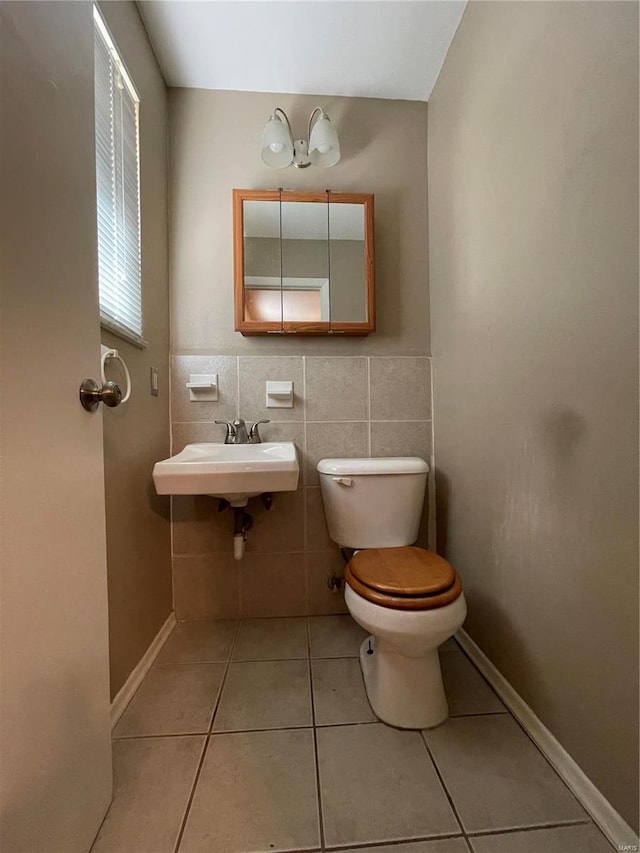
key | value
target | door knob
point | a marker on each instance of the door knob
(91, 394)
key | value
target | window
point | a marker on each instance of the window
(118, 190)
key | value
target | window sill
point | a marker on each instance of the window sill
(122, 332)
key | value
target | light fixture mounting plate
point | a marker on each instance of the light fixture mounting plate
(301, 154)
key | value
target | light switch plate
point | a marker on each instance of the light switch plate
(153, 381)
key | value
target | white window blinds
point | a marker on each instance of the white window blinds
(118, 190)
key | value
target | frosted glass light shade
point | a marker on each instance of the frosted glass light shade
(277, 145)
(324, 148)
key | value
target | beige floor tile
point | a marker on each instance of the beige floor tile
(256, 791)
(173, 699)
(496, 776)
(338, 692)
(199, 642)
(335, 636)
(272, 639)
(467, 691)
(444, 845)
(585, 838)
(265, 695)
(377, 784)
(152, 780)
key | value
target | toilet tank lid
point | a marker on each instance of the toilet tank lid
(382, 465)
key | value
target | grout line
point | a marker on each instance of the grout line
(270, 660)
(374, 420)
(479, 714)
(312, 657)
(479, 833)
(103, 821)
(224, 677)
(369, 405)
(442, 782)
(288, 728)
(315, 744)
(210, 422)
(237, 386)
(304, 423)
(386, 845)
(171, 497)
(206, 742)
(158, 736)
(432, 530)
(191, 795)
(164, 663)
(335, 421)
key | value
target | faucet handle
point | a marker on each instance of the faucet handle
(231, 431)
(254, 435)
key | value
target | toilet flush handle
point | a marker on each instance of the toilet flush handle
(343, 481)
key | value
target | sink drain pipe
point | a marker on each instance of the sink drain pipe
(242, 523)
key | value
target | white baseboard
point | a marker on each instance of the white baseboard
(602, 812)
(125, 694)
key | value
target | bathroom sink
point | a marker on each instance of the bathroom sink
(235, 472)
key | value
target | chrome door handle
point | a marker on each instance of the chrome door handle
(91, 394)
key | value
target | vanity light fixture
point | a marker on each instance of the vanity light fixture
(279, 149)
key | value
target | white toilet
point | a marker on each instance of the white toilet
(411, 600)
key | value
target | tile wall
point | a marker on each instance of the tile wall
(343, 406)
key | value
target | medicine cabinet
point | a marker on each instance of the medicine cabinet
(303, 263)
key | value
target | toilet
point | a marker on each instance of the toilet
(410, 600)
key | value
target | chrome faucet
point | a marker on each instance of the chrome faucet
(240, 432)
(237, 432)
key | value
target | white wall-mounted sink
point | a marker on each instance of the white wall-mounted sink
(235, 472)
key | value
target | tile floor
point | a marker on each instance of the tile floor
(257, 736)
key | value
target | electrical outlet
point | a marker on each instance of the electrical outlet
(154, 381)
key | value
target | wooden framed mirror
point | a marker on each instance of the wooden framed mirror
(303, 263)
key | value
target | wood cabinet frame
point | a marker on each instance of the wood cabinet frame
(253, 327)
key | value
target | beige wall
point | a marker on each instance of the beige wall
(348, 401)
(215, 146)
(137, 433)
(533, 179)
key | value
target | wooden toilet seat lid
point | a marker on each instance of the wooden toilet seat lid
(406, 578)
(402, 571)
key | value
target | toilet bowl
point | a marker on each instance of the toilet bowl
(400, 662)
(409, 599)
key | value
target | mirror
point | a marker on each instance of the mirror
(303, 263)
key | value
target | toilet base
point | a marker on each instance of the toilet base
(404, 692)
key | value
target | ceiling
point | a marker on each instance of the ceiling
(356, 48)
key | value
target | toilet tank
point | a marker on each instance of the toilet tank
(373, 503)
